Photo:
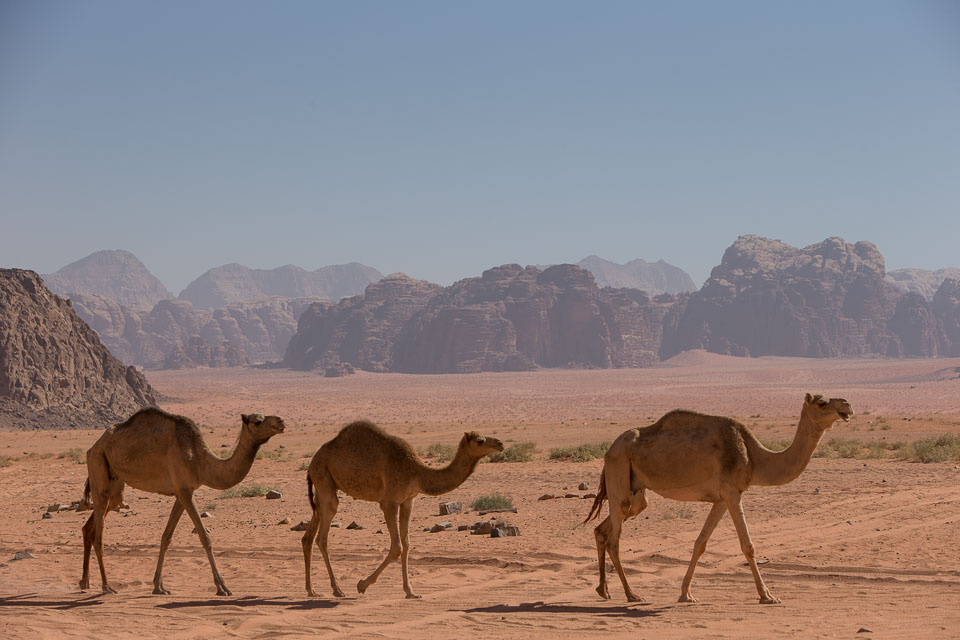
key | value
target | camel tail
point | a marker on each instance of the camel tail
(313, 504)
(600, 499)
(85, 500)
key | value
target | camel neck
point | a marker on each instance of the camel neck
(778, 468)
(223, 474)
(434, 482)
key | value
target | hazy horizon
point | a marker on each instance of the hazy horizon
(440, 140)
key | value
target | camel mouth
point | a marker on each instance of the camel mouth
(844, 415)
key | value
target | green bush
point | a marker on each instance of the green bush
(492, 501)
(581, 453)
(683, 510)
(6, 461)
(263, 453)
(775, 444)
(520, 452)
(252, 490)
(942, 448)
(76, 454)
(303, 466)
(440, 452)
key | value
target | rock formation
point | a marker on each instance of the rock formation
(54, 371)
(946, 309)
(235, 283)
(653, 277)
(200, 353)
(921, 281)
(116, 275)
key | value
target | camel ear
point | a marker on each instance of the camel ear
(466, 434)
(246, 418)
(809, 398)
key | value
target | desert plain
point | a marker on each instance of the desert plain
(856, 547)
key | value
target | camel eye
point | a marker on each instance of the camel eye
(481, 439)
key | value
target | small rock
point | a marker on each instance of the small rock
(224, 446)
(441, 526)
(583, 486)
(588, 495)
(496, 533)
(273, 494)
(463, 527)
(47, 516)
(547, 496)
(55, 507)
(379, 530)
(572, 495)
(335, 525)
(206, 514)
(482, 528)
(509, 530)
(284, 521)
(24, 555)
(864, 630)
(447, 508)
(299, 527)
(354, 525)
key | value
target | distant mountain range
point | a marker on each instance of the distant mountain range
(653, 277)
(116, 275)
(921, 281)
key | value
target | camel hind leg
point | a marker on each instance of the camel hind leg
(323, 513)
(390, 514)
(627, 499)
(105, 493)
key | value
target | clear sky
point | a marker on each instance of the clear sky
(442, 138)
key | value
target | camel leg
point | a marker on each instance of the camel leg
(716, 513)
(103, 502)
(405, 509)
(307, 542)
(175, 514)
(327, 504)
(600, 532)
(628, 509)
(88, 530)
(390, 515)
(185, 498)
(732, 500)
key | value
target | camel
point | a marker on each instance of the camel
(367, 463)
(693, 457)
(163, 453)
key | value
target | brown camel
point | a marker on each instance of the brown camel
(163, 453)
(698, 458)
(367, 463)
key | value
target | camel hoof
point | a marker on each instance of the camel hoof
(414, 596)
(107, 589)
(84, 585)
(632, 597)
(223, 591)
(339, 594)
(312, 594)
(604, 593)
(362, 586)
(769, 600)
(687, 599)
(160, 591)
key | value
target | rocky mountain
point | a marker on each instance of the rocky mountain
(509, 319)
(359, 331)
(235, 283)
(115, 275)
(946, 310)
(54, 371)
(653, 277)
(921, 281)
(167, 335)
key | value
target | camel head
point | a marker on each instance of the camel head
(478, 446)
(260, 428)
(825, 411)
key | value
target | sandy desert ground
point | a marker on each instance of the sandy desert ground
(854, 548)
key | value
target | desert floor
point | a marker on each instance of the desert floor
(852, 545)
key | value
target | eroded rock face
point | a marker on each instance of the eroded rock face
(769, 298)
(921, 281)
(115, 275)
(235, 283)
(54, 371)
(946, 309)
(358, 331)
(654, 278)
(200, 353)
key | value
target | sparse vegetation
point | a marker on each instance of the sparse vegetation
(76, 454)
(492, 501)
(303, 466)
(210, 507)
(682, 510)
(520, 452)
(439, 452)
(263, 453)
(252, 490)
(6, 461)
(942, 448)
(775, 444)
(581, 453)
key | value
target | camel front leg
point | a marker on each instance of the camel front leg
(716, 513)
(185, 497)
(600, 533)
(88, 530)
(732, 500)
(390, 515)
(175, 514)
(405, 509)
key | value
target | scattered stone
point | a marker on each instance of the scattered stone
(335, 525)
(864, 630)
(509, 530)
(379, 530)
(496, 533)
(47, 516)
(583, 486)
(284, 521)
(482, 528)
(441, 526)
(54, 508)
(354, 525)
(273, 494)
(588, 495)
(547, 496)
(572, 495)
(24, 555)
(447, 508)
(206, 514)
(486, 511)
(74, 506)
(299, 527)
(224, 445)
(463, 527)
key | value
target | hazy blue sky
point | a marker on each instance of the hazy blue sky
(442, 138)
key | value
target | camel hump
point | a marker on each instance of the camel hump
(156, 414)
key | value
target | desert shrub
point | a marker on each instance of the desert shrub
(440, 452)
(263, 453)
(846, 448)
(824, 450)
(775, 444)
(6, 461)
(935, 449)
(76, 454)
(492, 501)
(682, 510)
(877, 449)
(581, 453)
(520, 452)
(252, 490)
(303, 466)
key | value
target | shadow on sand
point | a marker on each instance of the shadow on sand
(253, 601)
(623, 611)
(24, 601)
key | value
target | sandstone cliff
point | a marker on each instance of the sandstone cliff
(54, 371)
(921, 281)
(115, 275)
(653, 277)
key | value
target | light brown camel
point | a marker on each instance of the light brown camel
(699, 458)
(163, 453)
(367, 463)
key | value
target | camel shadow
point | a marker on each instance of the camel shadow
(60, 605)
(622, 611)
(253, 601)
